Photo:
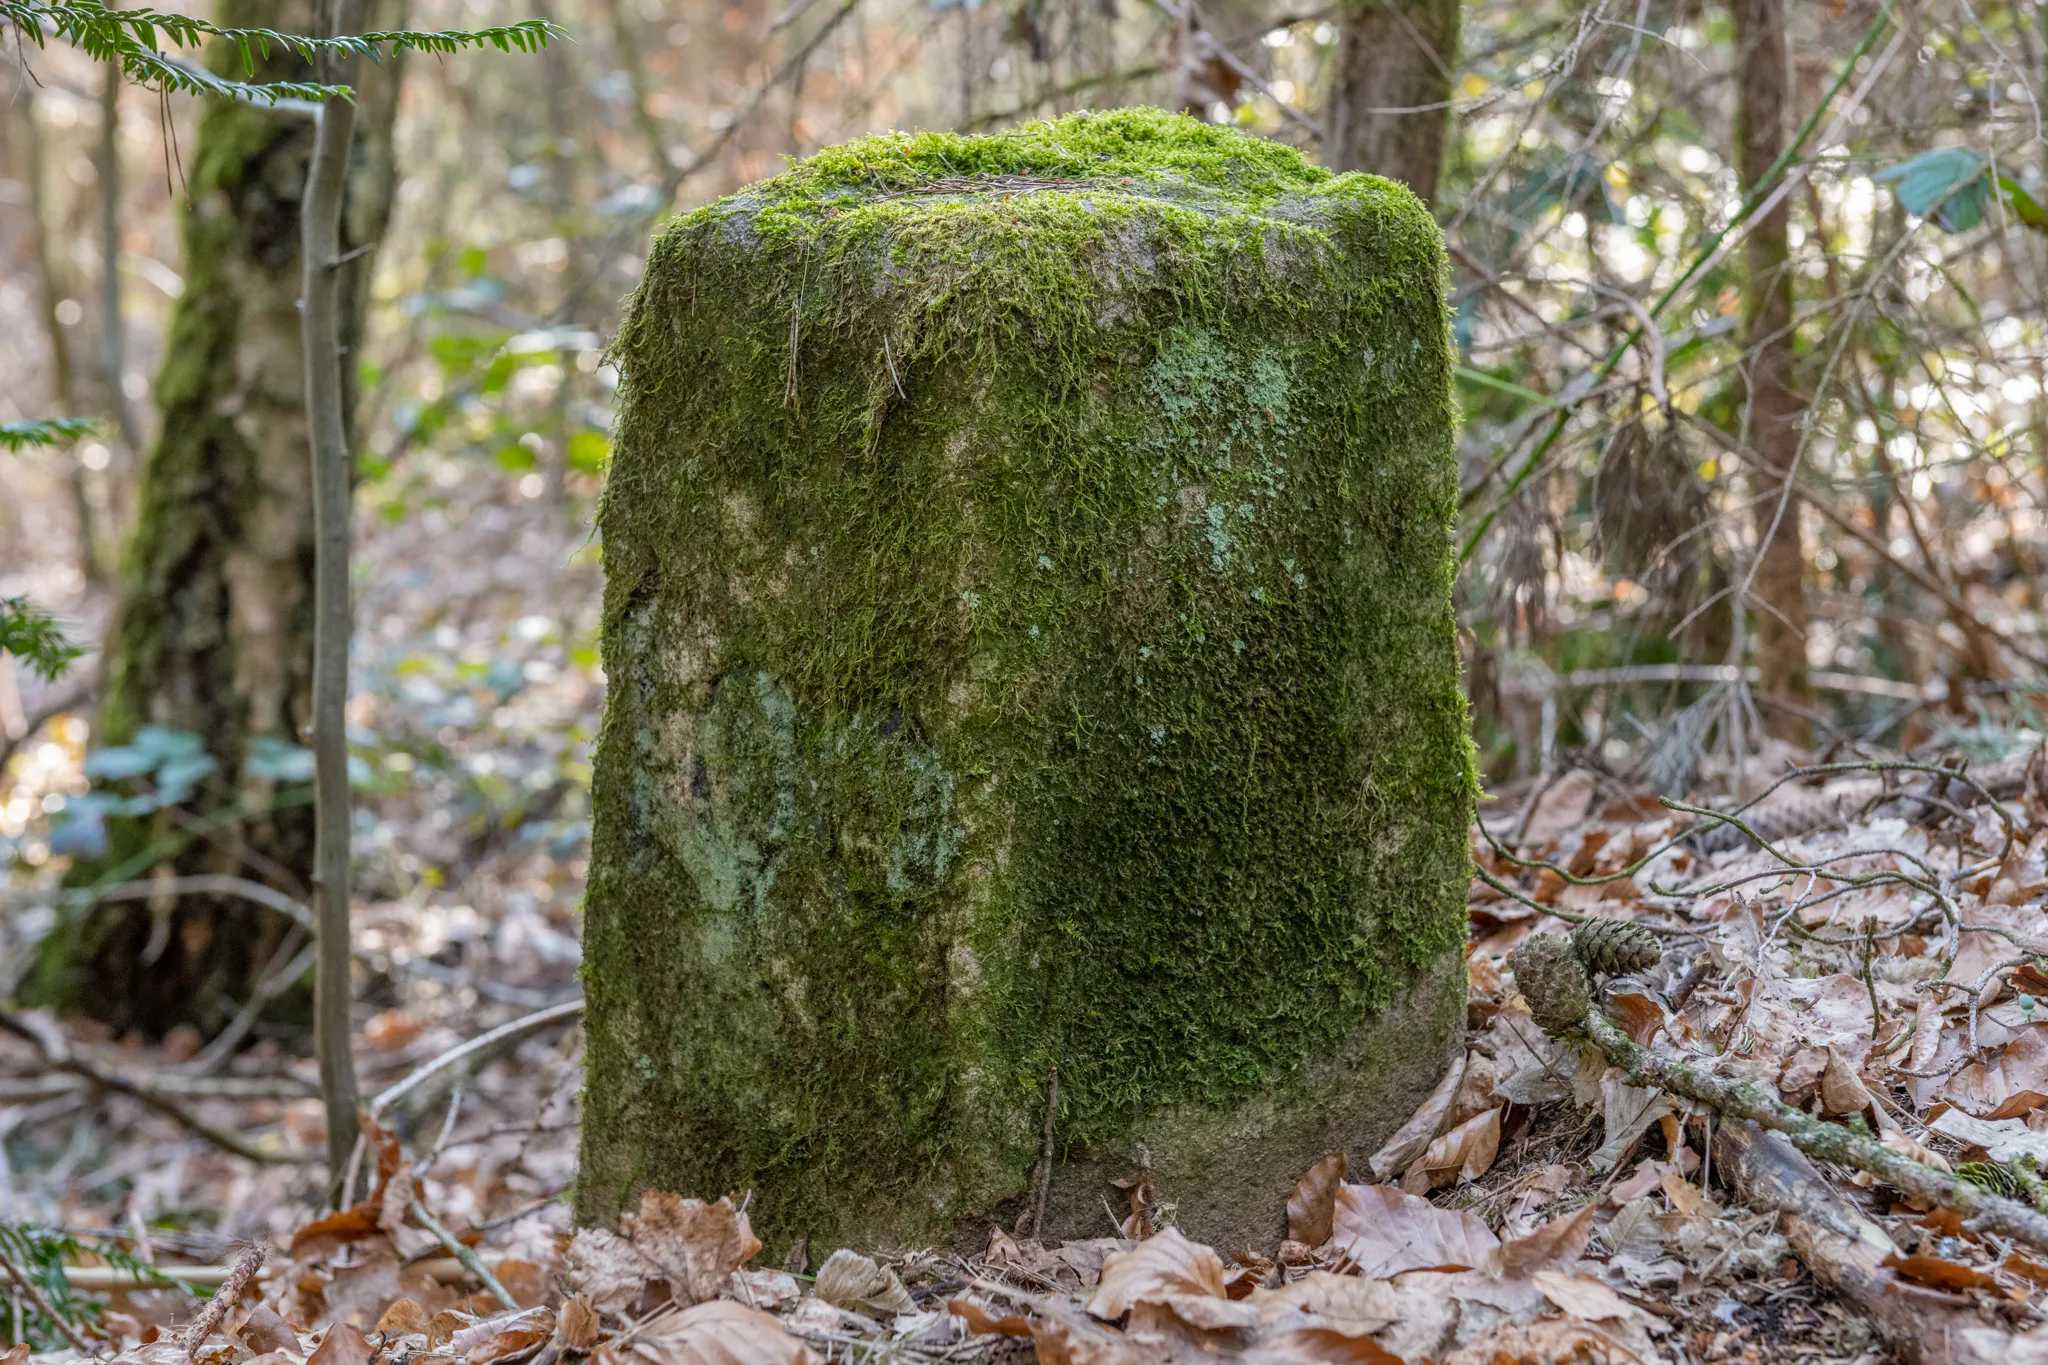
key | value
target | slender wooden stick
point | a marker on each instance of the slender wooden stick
(470, 1260)
(327, 426)
(225, 1298)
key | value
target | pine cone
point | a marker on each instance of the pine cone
(1616, 946)
(1551, 978)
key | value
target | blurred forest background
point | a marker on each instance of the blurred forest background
(1749, 300)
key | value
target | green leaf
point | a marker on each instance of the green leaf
(1947, 184)
(2024, 206)
(35, 638)
(588, 452)
(44, 431)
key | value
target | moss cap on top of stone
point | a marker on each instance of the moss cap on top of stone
(1037, 227)
(1028, 615)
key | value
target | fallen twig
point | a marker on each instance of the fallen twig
(1817, 1138)
(470, 1260)
(244, 1270)
(57, 1054)
(420, 1074)
(1844, 1250)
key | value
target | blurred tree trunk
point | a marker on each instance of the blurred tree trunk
(63, 386)
(215, 631)
(1778, 590)
(1393, 55)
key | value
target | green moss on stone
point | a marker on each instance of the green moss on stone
(1029, 629)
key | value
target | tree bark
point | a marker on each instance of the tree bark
(215, 633)
(1778, 588)
(1389, 101)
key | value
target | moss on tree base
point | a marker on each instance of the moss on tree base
(1029, 630)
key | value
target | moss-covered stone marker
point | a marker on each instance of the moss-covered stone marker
(1032, 672)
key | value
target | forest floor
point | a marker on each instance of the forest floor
(1870, 950)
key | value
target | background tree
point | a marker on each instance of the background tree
(1390, 92)
(215, 632)
(1774, 410)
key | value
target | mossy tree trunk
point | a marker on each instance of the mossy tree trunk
(215, 631)
(1387, 111)
(1034, 688)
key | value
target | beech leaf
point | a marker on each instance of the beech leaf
(1160, 1268)
(720, 1332)
(1385, 1232)
(695, 1246)
(1314, 1200)
(1409, 1140)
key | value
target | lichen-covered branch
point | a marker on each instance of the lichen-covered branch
(1818, 1138)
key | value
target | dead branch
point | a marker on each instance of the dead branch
(57, 1054)
(1844, 1250)
(245, 1268)
(1817, 1138)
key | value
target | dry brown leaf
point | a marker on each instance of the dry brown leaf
(609, 1271)
(769, 1289)
(1636, 1183)
(2018, 1105)
(1410, 1139)
(1842, 1091)
(518, 1320)
(343, 1345)
(577, 1327)
(1062, 1338)
(1557, 1244)
(264, 1330)
(1317, 1346)
(506, 1344)
(1463, 1154)
(695, 1246)
(1385, 1232)
(1164, 1266)
(1582, 1296)
(1214, 1322)
(2005, 1140)
(359, 1293)
(720, 1332)
(1359, 1305)
(2025, 1267)
(1937, 1273)
(322, 1236)
(1551, 1341)
(1564, 804)
(1314, 1199)
(1627, 1111)
(1640, 1017)
(1913, 1150)
(983, 1323)
(445, 1324)
(853, 1281)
